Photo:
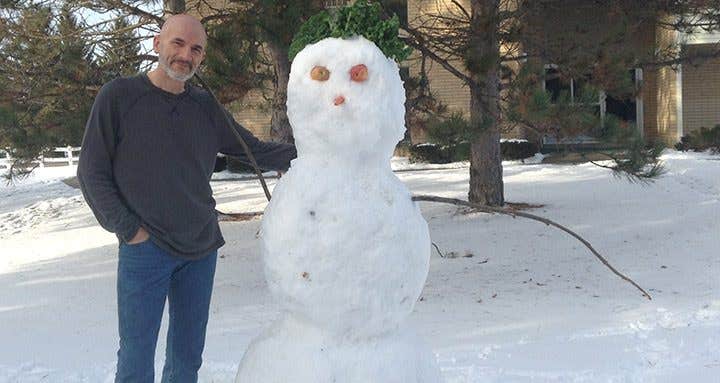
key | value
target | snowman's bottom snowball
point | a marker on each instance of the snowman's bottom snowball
(291, 351)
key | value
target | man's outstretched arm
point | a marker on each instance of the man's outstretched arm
(269, 155)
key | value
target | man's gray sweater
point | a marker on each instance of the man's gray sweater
(147, 157)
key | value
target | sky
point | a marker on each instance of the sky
(94, 17)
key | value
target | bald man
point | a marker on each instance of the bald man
(147, 157)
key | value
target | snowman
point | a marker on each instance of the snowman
(346, 250)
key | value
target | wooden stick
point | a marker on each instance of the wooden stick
(242, 142)
(238, 216)
(514, 213)
(438, 250)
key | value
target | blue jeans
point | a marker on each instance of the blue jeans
(147, 275)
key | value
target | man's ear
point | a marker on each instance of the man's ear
(156, 44)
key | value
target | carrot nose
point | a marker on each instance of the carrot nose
(339, 100)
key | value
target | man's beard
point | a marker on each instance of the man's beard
(175, 75)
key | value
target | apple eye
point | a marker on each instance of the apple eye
(320, 73)
(359, 73)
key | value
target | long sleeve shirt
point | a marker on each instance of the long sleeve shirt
(147, 158)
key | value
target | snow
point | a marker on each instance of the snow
(367, 126)
(530, 304)
(314, 355)
(346, 250)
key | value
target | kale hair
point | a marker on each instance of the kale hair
(362, 18)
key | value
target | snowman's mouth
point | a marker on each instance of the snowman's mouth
(339, 100)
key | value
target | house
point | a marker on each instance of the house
(671, 101)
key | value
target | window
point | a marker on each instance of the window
(560, 87)
(624, 108)
(555, 85)
(628, 109)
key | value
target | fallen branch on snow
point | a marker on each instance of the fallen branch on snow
(223, 217)
(514, 213)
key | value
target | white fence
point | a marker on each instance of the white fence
(71, 155)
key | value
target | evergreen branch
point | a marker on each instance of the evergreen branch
(18, 170)
(695, 58)
(136, 58)
(83, 33)
(602, 166)
(632, 170)
(217, 16)
(513, 213)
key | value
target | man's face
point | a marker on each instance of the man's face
(180, 49)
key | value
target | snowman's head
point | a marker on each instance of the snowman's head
(345, 100)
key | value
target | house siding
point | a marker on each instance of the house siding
(445, 86)
(659, 94)
(700, 90)
(252, 113)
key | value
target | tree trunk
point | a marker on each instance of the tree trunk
(486, 183)
(280, 130)
(174, 7)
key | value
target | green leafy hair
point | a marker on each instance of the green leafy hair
(362, 18)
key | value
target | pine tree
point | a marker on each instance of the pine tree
(119, 55)
(24, 59)
(48, 73)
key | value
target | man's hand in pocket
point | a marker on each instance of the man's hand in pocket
(141, 236)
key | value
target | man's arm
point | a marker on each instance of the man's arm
(95, 169)
(269, 155)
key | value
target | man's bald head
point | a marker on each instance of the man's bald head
(183, 22)
(180, 46)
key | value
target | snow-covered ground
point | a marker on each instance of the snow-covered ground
(515, 301)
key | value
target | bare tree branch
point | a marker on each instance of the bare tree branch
(514, 213)
(419, 43)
